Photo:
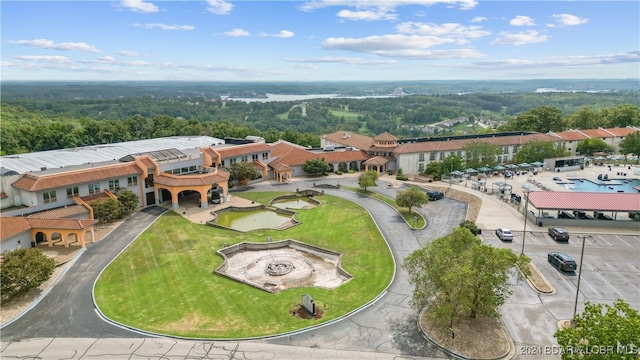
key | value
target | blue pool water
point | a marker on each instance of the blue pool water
(613, 185)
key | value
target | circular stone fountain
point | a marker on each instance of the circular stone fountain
(276, 266)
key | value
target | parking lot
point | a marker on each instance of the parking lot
(610, 271)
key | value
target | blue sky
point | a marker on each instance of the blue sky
(332, 40)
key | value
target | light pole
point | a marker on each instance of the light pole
(526, 216)
(575, 306)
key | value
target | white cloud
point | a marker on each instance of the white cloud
(399, 45)
(219, 7)
(5, 64)
(284, 34)
(447, 30)
(522, 38)
(366, 15)
(165, 26)
(237, 33)
(569, 20)
(384, 4)
(478, 19)
(44, 58)
(560, 62)
(48, 44)
(341, 60)
(139, 6)
(128, 53)
(521, 20)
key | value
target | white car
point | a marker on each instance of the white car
(504, 234)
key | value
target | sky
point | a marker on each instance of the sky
(324, 40)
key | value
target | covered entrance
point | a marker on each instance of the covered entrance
(200, 184)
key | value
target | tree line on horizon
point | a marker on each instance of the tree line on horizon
(30, 125)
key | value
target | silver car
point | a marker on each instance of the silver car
(504, 234)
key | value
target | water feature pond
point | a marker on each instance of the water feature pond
(252, 220)
(299, 203)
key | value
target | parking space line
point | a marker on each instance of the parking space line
(599, 241)
(634, 240)
(607, 282)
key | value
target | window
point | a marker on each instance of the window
(244, 158)
(94, 188)
(265, 155)
(192, 168)
(49, 197)
(222, 163)
(441, 156)
(421, 157)
(420, 167)
(432, 156)
(254, 157)
(516, 148)
(72, 191)
(114, 185)
(505, 149)
(132, 180)
(232, 161)
(459, 153)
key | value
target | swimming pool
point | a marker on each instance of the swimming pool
(612, 186)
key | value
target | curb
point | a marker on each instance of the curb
(510, 354)
(532, 285)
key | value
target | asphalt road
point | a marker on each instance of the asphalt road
(387, 327)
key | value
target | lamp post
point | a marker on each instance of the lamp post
(575, 306)
(526, 216)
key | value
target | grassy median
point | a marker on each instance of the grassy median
(164, 281)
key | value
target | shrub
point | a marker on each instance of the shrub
(471, 226)
(401, 178)
(338, 172)
(350, 171)
(22, 270)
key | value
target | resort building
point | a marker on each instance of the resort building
(570, 139)
(46, 196)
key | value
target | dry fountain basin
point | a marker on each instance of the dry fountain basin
(281, 265)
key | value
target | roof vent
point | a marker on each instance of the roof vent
(43, 168)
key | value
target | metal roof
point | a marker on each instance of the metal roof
(585, 201)
(37, 161)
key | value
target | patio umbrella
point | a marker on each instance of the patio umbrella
(498, 167)
(537, 163)
(523, 165)
(456, 173)
(484, 169)
(511, 166)
(471, 170)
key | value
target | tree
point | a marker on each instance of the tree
(452, 163)
(464, 276)
(107, 209)
(413, 196)
(243, 172)
(128, 199)
(541, 119)
(316, 166)
(434, 169)
(22, 270)
(538, 151)
(592, 145)
(631, 144)
(368, 178)
(471, 226)
(480, 153)
(612, 334)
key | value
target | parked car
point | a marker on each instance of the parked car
(504, 234)
(434, 195)
(562, 261)
(558, 234)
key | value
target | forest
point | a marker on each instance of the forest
(37, 123)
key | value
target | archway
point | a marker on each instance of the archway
(342, 167)
(39, 238)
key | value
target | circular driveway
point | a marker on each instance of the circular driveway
(386, 327)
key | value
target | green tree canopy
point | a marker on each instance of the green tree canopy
(538, 151)
(243, 171)
(459, 276)
(631, 144)
(592, 145)
(106, 209)
(602, 331)
(22, 270)
(316, 166)
(452, 163)
(367, 179)
(128, 199)
(480, 153)
(541, 119)
(413, 196)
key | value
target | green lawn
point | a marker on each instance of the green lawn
(348, 115)
(164, 281)
(413, 218)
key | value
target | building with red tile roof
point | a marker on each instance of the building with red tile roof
(571, 138)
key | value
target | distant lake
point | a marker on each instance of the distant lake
(277, 97)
